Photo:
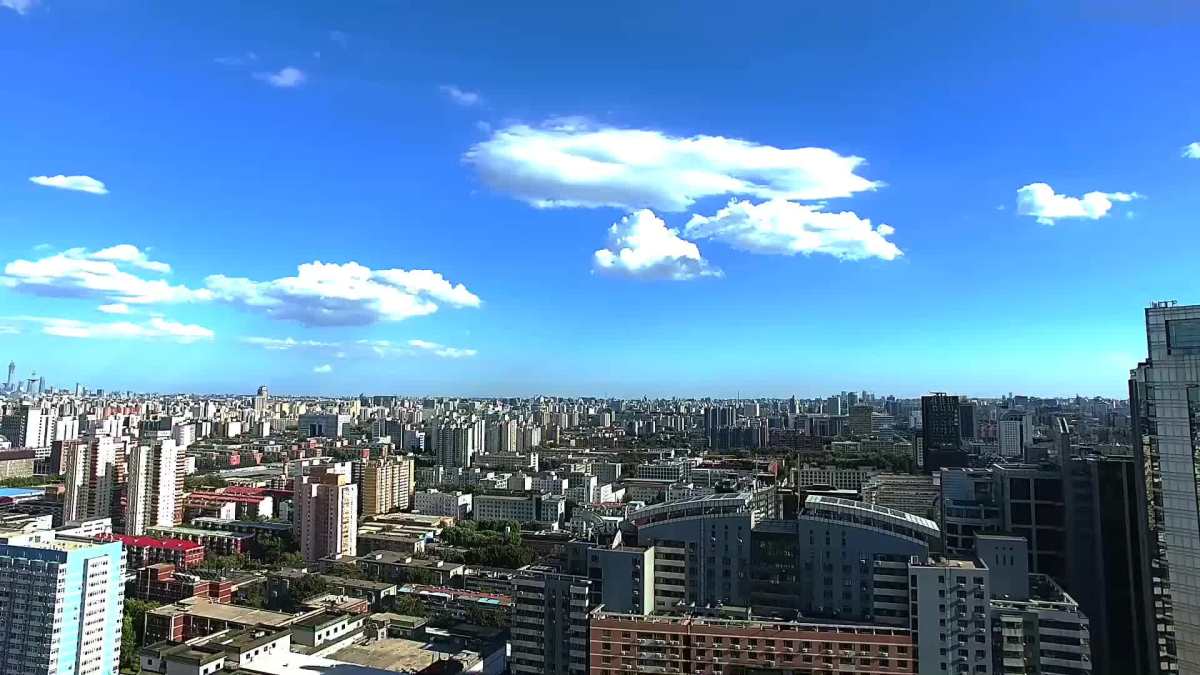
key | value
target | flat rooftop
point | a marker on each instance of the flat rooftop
(219, 611)
(401, 654)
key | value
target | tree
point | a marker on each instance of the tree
(307, 587)
(133, 631)
(409, 606)
(346, 570)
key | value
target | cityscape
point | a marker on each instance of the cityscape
(850, 533)
(534, 338)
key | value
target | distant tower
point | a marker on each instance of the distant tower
(12, 368)
(41, 384)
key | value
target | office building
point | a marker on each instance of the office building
(832, 476)
(61, 601)
(450, 504)
(1164, 401)
(1015, 433)
(153, 489)
(387, 485)
(523, 508)
(622, 578)
(941, 432)
(26, 427)
(1031, 504)
(949, 615)
(969, 507)
(861, 420)
(701, 549)
(322, 425)
(966, 419)
(326, 519)
(549, 623)
(1107, 562)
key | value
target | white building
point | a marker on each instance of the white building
(839, 478)
(152, 487)
(78, 586)
(450, 504)
(521, 508)
(89, 468)
(322, 425)
(1015, 431)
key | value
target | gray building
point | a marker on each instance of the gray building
(1164, 401)
(622, 578)
(550, 622)
(322, 425)
(1032, 506)
(701, 549)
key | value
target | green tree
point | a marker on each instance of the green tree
(133, 631)
(347, 570)
(409, 606)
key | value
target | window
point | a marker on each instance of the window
(1183, 336)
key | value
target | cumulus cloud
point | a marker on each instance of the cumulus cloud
(641, 245)
(781, 227)
(19, 6)
(1040, 201)
(76, 183)
(287, 344)
(462, 97)
(323, 368)
(156, 328)
(1192, 150)
(332, 294)
(570, 163)
(108, 273)
(286, 78)
(114, 308)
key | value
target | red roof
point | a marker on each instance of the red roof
(151, 542)
(226, 497)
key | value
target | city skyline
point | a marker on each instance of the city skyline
(522, 202)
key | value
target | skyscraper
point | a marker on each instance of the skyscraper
(387, 485)
(62, 601)
(1164, 398)
(550, 622)
(326, 513)
(12, 369)
(153, 488)
(941, 433)
(91, 474)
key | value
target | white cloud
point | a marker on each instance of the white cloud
(569, 163)
(462, 97)
(786, 228)
(1192, 150)
(323, 368)
(128, 253)
(248, 57)
(19, 6)
(156, 328)
(114, 308)
(641, 245)
(287, 344)
(76, 183)
(1040, 201)
(76, 272)
(332, 294)
(442, 350)
(287, 78)
(9, 330)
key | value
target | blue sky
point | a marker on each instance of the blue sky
(672, 199)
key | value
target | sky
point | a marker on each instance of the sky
(622, 199)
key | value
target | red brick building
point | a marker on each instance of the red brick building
(624, 643)
(143, 551)
(164, 584)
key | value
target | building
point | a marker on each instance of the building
(838, 478)
(527, 508)
(1106, 558)
(622, 578)
(1032, 506)
(153, 491)
(450, 504)
(326, 518)
(322, 425)
(701, 549)
(142, 551)
(387, 485)
(969, 506)
(941, 433)
(629, 643)
(62, 600)
(1015, 434)
(16, 463)
(90, 471)
(456, 442)
(550, 622)
(915, 494)
(949, 615)
(1164, 401)
(26, 427)
(861, 422)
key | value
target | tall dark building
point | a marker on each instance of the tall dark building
(941, 432)
(966, 420)
(1107, 564)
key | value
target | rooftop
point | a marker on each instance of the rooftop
(235, 614)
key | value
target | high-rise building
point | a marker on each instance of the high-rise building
(90, 478)
(455, 443)
(322, 425)
(62, 602)
(153, 489)
(1106, 561)
(387, 485)
(261, 400)
(12, 370)
(1015, 431)
(550, 622)
(326, 517)
(941, 432)
(1164, 401)
(861, 420)
(966, 419)
(1032, 507)
(26, 427)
